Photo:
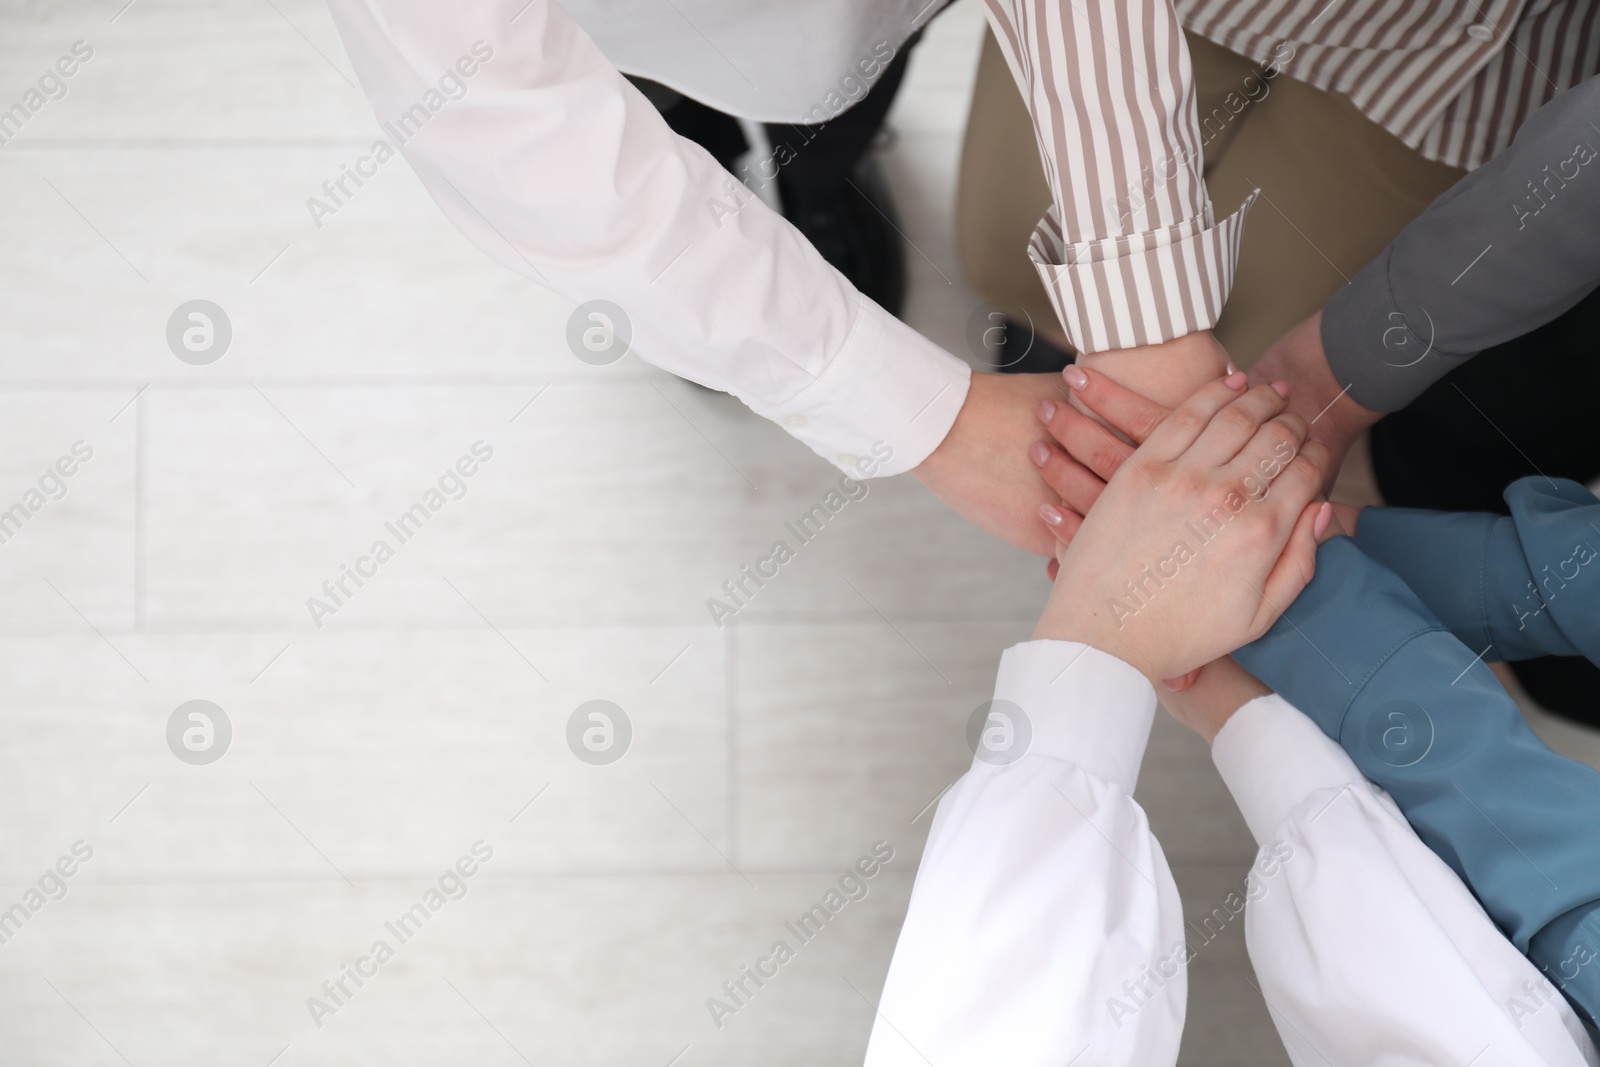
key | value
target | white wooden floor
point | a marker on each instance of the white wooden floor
(430, 713)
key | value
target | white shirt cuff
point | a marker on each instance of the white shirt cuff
(1081, 705)
(884, 402)
(1272, 757)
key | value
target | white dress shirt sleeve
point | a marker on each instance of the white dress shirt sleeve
(553, 164)
(1129, 252)
(1369, 949)
(1044, 926)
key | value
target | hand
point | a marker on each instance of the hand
(1315, 395)
(1199, 536)
(1167, 373)
(1115, 416)
(981, 468)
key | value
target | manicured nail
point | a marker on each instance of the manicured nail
(1231, 368)
(1049, 513)
(1047, 410)
(1040, 453)
(1319, 526)
(1075, 376)
(1281, 388)
(1237, 380)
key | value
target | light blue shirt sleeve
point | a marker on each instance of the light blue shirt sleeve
(1512, 588)
(1426, 719)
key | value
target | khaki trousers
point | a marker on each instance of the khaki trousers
(1336, 188)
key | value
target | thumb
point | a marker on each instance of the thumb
(1296, 565)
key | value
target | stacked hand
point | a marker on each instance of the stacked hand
(1316, 396)
(1196, 537)
(981, 469)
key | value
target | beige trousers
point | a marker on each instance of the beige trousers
(1335, 186)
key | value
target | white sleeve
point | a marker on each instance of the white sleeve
(552, 163)
(1368, 947)
(1044, 927)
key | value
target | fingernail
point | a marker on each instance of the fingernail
(1047, 410)
(1075, 376)
(1049, 513)
(1040, 453)
(1281, 388)
(1231, 368)
(1324, 516)
(1236, 380)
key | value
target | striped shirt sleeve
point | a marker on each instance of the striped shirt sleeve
(1129, 251)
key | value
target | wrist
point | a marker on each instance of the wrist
(1069, 619)
(1221, 690)
(1167, 373)
(1299, 358)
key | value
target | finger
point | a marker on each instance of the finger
(1293, 484)
(1236, 426)
(1267, 456)
(1084, 439)
(1293, 571)
(1189, 419)
(1129, 412)
(1052, 567)
(1077, 486)
(1183, 681)
(1063, 523)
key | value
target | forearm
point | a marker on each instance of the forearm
(1130, 253)
(1506, 250)
(552, 163)
(1509, 587)
(1023, 924)
(1362, 940)
(1420, 716)
(1210, 703)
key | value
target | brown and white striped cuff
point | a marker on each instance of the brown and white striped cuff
(1139, 289)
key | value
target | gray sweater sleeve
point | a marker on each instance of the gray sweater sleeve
(1506, 250)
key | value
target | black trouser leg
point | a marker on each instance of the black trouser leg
(827, 184)
(828, 153)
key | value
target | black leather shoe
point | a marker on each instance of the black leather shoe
(853, 225)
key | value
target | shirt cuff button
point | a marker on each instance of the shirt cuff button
(1481, 31)
(794, 422)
